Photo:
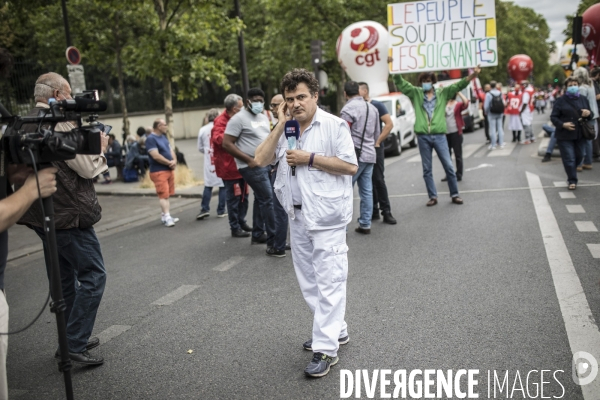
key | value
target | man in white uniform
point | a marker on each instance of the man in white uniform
(210, 177)
(318, 200)
(526, 114)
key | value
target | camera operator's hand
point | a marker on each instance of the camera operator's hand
(47, 178)
(104, 140)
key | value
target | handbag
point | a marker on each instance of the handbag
(357, 150)
(587, 130)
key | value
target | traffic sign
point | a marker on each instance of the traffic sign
(76, 78)
(73, 55)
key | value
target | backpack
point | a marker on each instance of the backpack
(497, 105)
(130, 175)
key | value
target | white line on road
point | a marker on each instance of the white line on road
(228, 264)
(566, 195)
(586, 226)
(470, 149)
(417, 158)
(582, 330)
(506, 151)
(594, 249)
(575, 209)
(112, 332)
(561, 184)
(175, 295)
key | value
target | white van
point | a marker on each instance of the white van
(472, 115)
(403, 115)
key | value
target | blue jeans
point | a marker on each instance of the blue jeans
(281, 218)
(571, 152)
(83, 278)
(551, 130)
(207, 194)
(588, 149)
(496, 128)
(237, 206)
(263, 216)
(438, 142)
(364, 177)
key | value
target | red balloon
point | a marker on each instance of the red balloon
(454, 73)
(519, 67)
(590, 31)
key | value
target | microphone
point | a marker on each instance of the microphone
(292, 133)
(81, 104)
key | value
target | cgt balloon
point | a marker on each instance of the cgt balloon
(519, 67)
(590, 31)
(362, 50)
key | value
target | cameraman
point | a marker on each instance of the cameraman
(76, 208)
(11, 209)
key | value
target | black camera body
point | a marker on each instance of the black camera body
(34, 140)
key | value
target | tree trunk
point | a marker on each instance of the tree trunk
(341, 100)
(159, 6)
(120, 77)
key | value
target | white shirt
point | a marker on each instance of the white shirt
(326, 198)
(210, 176)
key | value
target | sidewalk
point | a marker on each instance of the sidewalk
(194, 159)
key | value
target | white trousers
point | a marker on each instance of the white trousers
(3, 345)
(321, 263)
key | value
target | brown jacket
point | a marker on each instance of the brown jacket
(75, 201)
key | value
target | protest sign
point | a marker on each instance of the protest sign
(440, 35)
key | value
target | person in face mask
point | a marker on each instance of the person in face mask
(244, 132)
(430, 126)
(565, 116)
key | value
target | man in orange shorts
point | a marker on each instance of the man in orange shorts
(162, 165)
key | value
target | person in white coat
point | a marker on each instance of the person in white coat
(316, 192)
(211, 179)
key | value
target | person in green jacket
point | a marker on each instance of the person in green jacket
(430, 126)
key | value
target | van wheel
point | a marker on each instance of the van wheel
(413, 142)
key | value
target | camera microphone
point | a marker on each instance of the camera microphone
(292, 133)
(80, 104)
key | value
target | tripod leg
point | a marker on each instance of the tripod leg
(58, 304)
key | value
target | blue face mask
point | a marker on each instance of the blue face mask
(257, 107)
(573, 90)
(427, 86)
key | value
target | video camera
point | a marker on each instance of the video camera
(47, 145)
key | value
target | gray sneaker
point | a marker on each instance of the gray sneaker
(319, 365)
(308, 344)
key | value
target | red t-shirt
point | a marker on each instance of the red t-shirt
(514, 103)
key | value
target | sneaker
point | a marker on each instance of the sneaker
(169, 222)
(319, 365)
(308, 344)
(547, 157)
(492, 148)
(259, 240)
(503, 145)
(275, 253)
(203, 214)
(222, 215)
(586, 166)
(176, 220)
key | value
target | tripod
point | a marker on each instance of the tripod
(57, 306)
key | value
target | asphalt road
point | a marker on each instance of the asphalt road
(448, 287)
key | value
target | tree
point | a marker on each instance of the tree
(179, 49)
(583, 5)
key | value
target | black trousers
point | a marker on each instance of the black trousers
(487, 127)
(381, 201)
(455, 142)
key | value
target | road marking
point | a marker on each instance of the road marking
(417, 158)
(112, 332)
(594, 249)
(175, 295)
(561, 184)
(581, 328)
(478, 167)
(228, 264)
(586, 226)
(470, 149)
(575, 209)
(566, 195)
(506, 151)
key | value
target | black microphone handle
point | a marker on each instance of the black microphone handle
(293, 171)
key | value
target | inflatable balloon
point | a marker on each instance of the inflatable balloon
(590, 31)
(362, 51)
(454, 74)
(519, 67)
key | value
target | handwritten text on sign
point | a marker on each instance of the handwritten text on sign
(442, 35)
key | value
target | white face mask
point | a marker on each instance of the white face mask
(257, 107)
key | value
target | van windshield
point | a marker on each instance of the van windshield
(388, 105)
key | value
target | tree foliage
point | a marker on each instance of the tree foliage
(583, 5)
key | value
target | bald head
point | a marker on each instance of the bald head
(276, 101)
(51, 85)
